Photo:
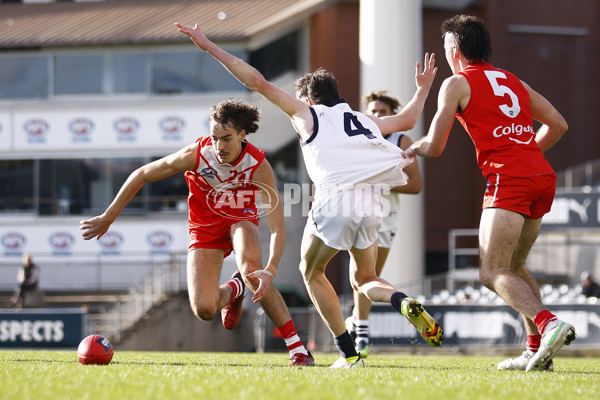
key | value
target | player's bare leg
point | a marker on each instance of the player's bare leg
(499, 233)
(315, 256)
(359, 321)
(246, 242)
(363, 276)
(203, 272)
(528, 236)
(527, 239)
(362, 304)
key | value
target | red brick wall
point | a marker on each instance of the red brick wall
(334, 46)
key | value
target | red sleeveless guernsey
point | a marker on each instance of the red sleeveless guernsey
(498, 120)
(221, 190)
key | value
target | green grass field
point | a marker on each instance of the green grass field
(58, 375)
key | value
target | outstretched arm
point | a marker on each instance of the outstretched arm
(406, 119)
(184, 159)
(452, 94)
(272, 204)
(254, 80)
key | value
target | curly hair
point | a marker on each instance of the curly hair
(320, 86)
(472, 37)
(236, 114)
(382, 96)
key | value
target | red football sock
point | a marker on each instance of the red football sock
(533, 342)
(236, 285)
(542, 319)
(292, 340)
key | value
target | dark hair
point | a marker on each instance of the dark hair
(382, 96)
(236, 114)
(472, 37)
(320, 86)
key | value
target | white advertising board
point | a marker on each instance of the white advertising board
(64, 238)
(106, 129)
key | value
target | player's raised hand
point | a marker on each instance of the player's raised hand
(195, 33)
(425, 78)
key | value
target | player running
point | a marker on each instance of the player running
(497, 111)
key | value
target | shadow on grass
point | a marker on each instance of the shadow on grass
(430, 367)
(213, 364)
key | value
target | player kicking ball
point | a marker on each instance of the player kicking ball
(349, 163)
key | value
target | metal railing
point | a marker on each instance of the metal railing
(586, 174)
(468, 273)
(161, 281)
(556, 255)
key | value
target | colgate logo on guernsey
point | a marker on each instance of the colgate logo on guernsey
(516, 130)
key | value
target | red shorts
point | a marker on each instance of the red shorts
(215, 236)
(530, 196)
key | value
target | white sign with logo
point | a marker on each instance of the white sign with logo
(107, 129)
(118, 259)
(63, 238)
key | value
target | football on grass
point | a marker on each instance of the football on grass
(95, 349)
